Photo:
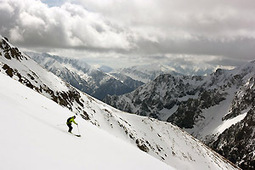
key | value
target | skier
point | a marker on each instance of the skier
(69, 123)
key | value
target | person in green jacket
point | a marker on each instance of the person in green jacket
(69, 122)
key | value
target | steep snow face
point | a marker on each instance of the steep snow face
(34, 136)
(159, 139)
(12, 58)
(210, 123)
(227, 123)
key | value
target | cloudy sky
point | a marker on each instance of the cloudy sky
(121, 33)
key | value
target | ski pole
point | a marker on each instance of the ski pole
(78, 130)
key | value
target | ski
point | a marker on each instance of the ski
(75, 134)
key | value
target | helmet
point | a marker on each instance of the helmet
(74, 116)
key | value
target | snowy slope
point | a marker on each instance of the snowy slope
(33, 136)
(159, 139)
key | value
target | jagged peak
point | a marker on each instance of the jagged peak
(245, 69)
(13, 52)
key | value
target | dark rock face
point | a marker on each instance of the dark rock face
(237, 142)
(10, 52)
(161, 93)
(190, 110)
(31, 79)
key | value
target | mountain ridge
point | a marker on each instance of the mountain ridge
(83, 76)
(147, 73)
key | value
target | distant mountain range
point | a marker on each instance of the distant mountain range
(218, 109)
(84, 77)
(147, 73)
(103, 81)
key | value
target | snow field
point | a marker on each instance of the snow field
(34, 136)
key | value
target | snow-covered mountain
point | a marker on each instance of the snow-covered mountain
(147, 73)
(84, 77)
(217, 109)
(35, 138)
(144, 73)
(105, 69)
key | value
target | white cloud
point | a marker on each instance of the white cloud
(6, 8)
(30, 20)
(133, 29)
(15, 34)
(70, 24)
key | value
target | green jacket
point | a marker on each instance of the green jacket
(70, 120)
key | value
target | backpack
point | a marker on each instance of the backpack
(69, 120)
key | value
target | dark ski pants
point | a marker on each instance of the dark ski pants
(70, 127)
